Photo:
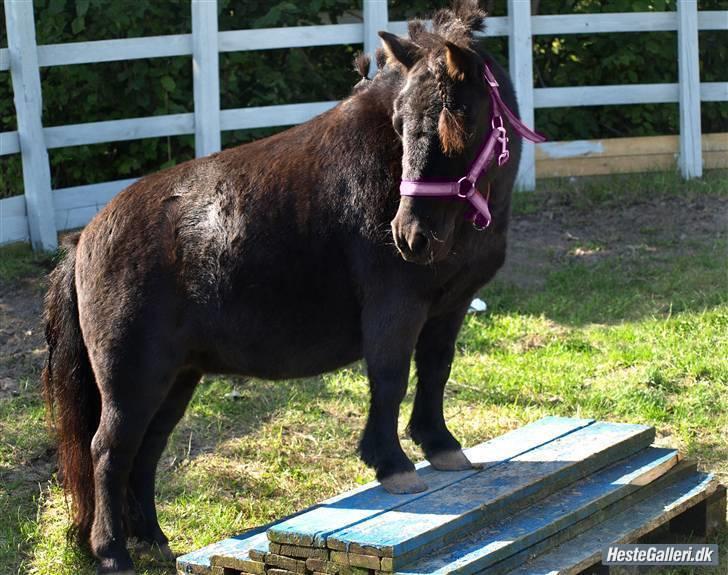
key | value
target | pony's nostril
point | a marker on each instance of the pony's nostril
(418, 243)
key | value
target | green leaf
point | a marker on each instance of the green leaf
(168, 83)
(78, 25)
(82, 7)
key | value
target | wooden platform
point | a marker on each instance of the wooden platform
(545, 498)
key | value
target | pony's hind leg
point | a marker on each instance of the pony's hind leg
(133, 386)
(142, 510)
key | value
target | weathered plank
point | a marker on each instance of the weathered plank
(584, 550)
(239, 563)
(520, 64)
(119, 130)
(690, 159)
(298, 551)
(114, 50)
(423, 523)
(240, 547)
(356, 560)
(20, 24)
(13, 220)
(605, 95)
(290, 37)
(205, 77)
(199, 562)
(681, 471)
(597, 23)
(282, 562)
(322, 566)
(375, 15)
(313, 528)
(622, 155)
(480, 549)
(9, 143)
(280, 572)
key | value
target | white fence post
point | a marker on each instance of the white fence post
(520, 60)
(376, 18)
(690, 158)
(29, 108)
(206, 77)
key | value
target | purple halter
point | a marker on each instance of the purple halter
(465, 188)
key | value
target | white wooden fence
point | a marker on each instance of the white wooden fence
(40, 213)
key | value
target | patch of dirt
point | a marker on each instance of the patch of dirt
(22, 343)
(555, 233)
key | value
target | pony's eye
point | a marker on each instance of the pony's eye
(397, 123)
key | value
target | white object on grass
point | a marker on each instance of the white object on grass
(477, 306)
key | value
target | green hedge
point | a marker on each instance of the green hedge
(95, 92)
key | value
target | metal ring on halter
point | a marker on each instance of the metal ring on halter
(470, 191)
(478, 227)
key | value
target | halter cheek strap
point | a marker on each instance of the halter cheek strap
(496, 143)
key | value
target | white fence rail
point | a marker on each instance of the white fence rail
(40, 213)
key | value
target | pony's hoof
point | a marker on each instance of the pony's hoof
(406, 482)
(155, 551)
(107, 568)
(163, 552)
(450, 461)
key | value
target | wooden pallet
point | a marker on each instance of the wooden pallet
(545, 498)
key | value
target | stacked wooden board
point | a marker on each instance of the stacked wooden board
(545, 498)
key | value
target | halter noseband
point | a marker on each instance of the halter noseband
(466, 187)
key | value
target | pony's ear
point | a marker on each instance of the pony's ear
(399, 49)
(457, 62)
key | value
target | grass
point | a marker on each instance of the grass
(639, 336)
(18, 261)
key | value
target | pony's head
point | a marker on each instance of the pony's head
(441, 114)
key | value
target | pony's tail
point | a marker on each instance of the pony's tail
(71, 396)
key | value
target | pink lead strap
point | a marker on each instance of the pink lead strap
(466, 187)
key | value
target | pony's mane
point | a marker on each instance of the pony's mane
(456, 25)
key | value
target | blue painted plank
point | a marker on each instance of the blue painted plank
(313, 528)
(584, 550)
(198, 562)
(421, 525)
(558, 511)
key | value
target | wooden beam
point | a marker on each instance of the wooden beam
(421, 526)
(520, 62)
(29, 109)
(576, 507)
(623, 155)
(290, 37)
(206, 77)
(690, 158)
(376, 18)
(315, 527)
(114, 50)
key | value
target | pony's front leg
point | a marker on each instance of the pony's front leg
(433, 357)
(390, 328)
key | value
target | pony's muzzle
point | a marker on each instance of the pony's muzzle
(413, 242)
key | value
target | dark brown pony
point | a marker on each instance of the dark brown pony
(283, 258)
